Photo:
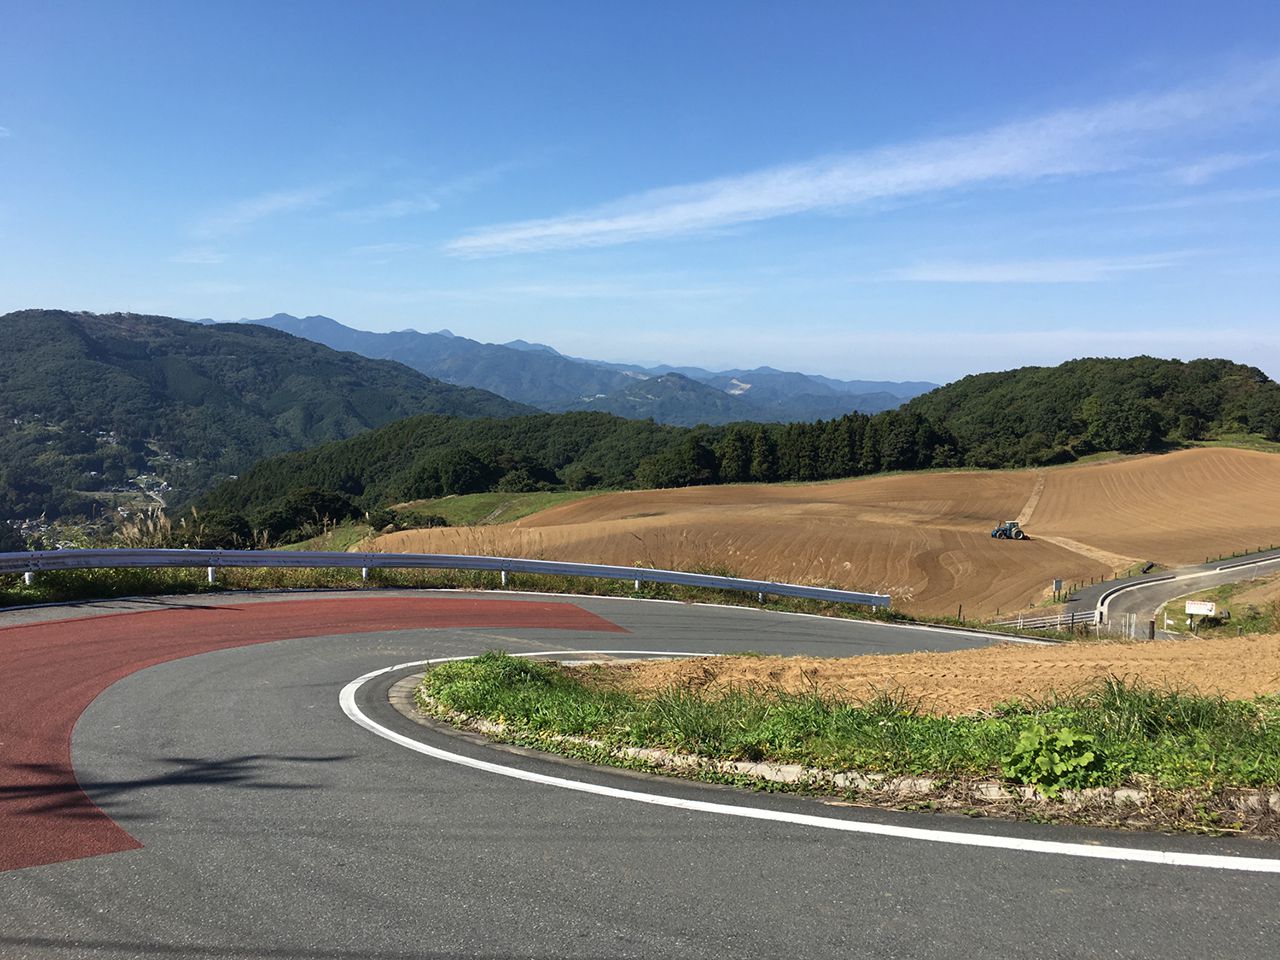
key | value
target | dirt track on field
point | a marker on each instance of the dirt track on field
(970, 680)
(923, 538)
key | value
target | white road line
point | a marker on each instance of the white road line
(1198, 575)
(347, 699)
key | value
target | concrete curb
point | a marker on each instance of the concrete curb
(882, 786)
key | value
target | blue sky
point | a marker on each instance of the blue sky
(889, 191)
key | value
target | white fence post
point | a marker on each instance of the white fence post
(29, 578)
(504, 578)
(213, 574)
(364, 574)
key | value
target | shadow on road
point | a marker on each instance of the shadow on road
(52, 789)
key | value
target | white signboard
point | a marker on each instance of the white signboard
(1201, 608)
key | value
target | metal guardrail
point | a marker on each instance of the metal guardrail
(1104, 599)
(1256, 561)
(36, 561)
(1056, 621)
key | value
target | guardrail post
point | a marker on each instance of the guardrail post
(29, 578)
(211, 560)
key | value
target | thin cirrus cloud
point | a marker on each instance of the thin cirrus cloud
(393, 209)
(246, 213)
(5, 132)
(1214, 198)
(1104, 138)
(198, 255)
(1203, 170)
(1084, 270)
(383, 249)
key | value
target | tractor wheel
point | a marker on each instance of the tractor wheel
(1019, 535)
(1001, 535)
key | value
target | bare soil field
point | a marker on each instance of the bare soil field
(971, 680)
(923, 538)
(1175, 508)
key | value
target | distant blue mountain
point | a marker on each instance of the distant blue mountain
(541, 376)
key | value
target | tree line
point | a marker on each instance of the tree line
(1029, 417)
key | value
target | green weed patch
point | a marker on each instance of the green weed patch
(1114, 734)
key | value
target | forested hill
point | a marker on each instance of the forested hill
(1037, 415)
(89, 404)
(430, 456)
(540, 376)
(1024, 417)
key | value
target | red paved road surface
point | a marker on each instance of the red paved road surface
(50, 672)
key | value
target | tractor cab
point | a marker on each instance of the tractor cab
(1009, 530)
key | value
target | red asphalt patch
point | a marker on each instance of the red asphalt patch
(50, 672)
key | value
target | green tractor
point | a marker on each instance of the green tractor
(1009, 530)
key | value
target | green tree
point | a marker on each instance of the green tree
(734, 455)
(764, 457)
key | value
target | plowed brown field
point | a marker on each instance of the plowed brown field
(924, 538)
(1175, 509)
(970, 680)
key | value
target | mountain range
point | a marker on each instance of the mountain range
(93, 405)
(541, 376)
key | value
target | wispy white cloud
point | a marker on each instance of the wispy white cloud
(1205, 169)
(383, 249)
(618, 290)
(198, 255)
(1085, 270)
(245, 213)
(5, 132)
(1102, 138)
(393, 209)
(1212, 198)
(429, 200)
(524, 293)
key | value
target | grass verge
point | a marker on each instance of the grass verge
(484, 508)
(341, 538)
(1246, 607)
(1186, 756)
(1242, 441)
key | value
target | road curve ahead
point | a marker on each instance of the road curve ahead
(1139, 597)
(263, 823)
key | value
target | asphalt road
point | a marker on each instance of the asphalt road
(1146, 594)
(271, 826)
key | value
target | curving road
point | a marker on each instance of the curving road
(261, 822)
(1140, 597)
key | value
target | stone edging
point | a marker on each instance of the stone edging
(403, 698)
